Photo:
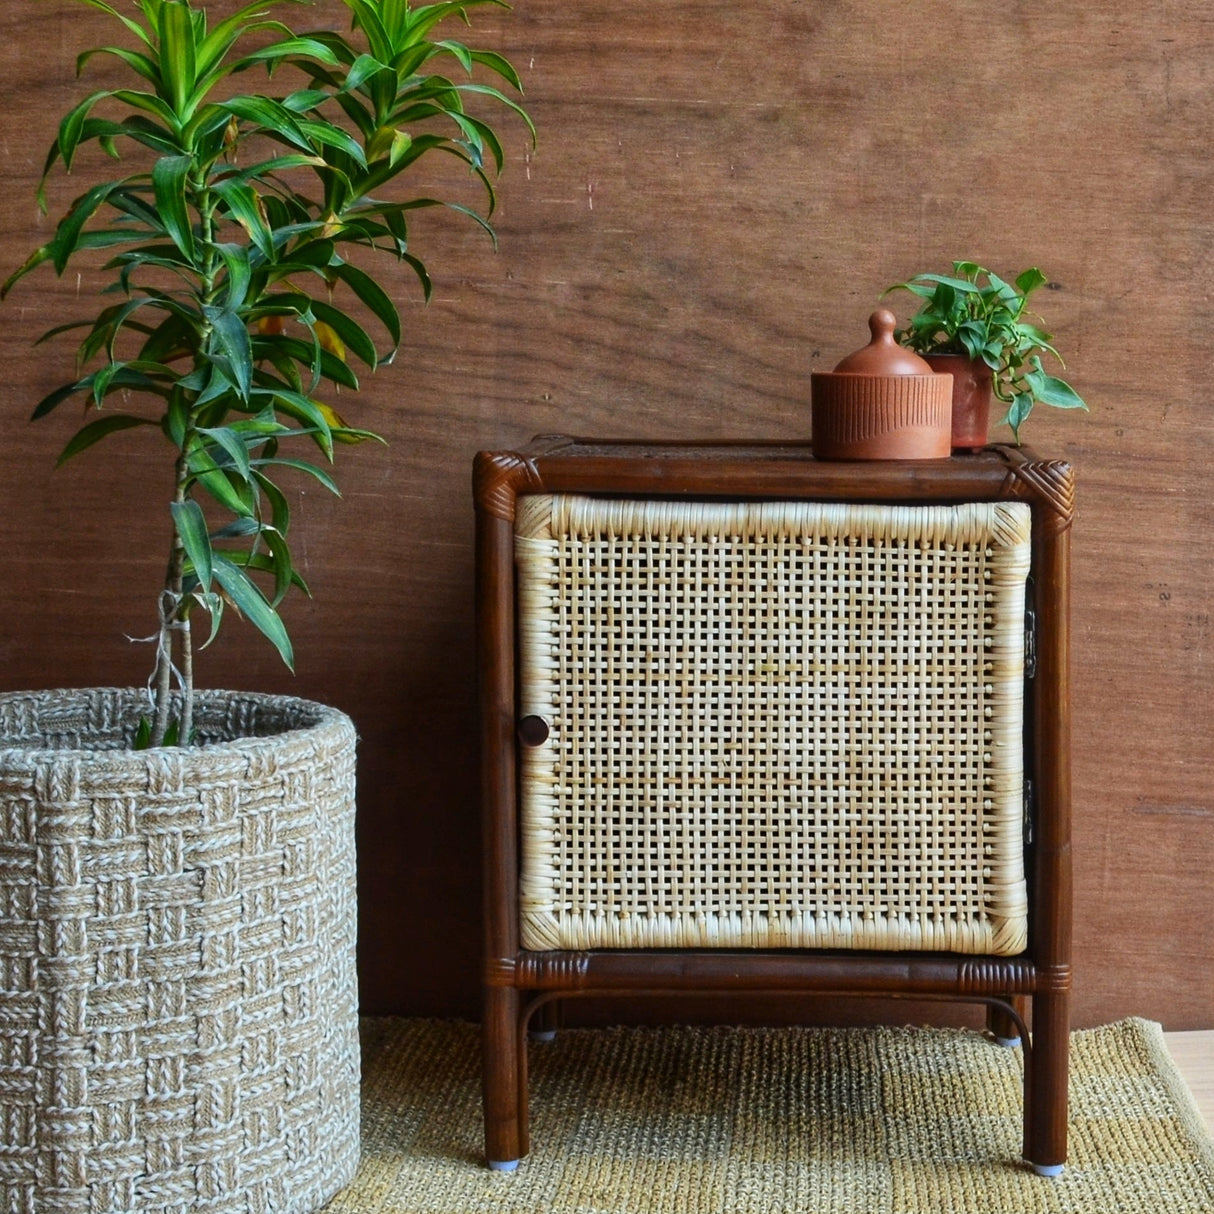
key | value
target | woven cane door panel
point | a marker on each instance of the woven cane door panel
(772, 725)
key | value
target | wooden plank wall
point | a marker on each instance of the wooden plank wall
(719, 194)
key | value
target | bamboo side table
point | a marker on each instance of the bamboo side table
(753, 722)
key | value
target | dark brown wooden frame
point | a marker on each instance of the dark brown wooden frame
(518, 983)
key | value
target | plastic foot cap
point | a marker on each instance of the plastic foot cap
(1049, 1169)
(502, 1165)
(542, 1035)
(1008, 1043)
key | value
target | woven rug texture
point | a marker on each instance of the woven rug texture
(775, 1121)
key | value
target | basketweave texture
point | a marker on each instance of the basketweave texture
(773, 724)
(178, 1003)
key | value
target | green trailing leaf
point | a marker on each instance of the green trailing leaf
(979, 314)
(1050, 390)
(1029, 280)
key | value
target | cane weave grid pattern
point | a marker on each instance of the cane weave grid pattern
(778, 724)
(178, 1012)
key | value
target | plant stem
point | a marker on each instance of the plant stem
(174, 616)
(171, 622)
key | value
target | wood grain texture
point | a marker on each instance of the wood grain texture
(719, 195)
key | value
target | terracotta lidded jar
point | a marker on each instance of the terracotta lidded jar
(882, 402)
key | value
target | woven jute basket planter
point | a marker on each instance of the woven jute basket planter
(178, 1002)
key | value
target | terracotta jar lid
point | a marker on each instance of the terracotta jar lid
(883, 355)
(882, 402)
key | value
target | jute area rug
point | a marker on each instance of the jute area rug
(775, 1121)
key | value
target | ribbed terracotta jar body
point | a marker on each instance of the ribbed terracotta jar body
(177, 931)
(971, 398)
(880, 416)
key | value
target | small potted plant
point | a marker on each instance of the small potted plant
(974, 325)
(187, 939)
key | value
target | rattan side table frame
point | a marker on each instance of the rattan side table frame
(518, 982)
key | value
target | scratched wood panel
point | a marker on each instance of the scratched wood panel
(719, 194)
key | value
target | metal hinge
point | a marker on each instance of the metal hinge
(1028, 812)
(1030, 643)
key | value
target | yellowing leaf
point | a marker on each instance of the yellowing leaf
(272, 326)
(329, 340)
(341, 432)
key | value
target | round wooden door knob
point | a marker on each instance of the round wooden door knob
(533, 731)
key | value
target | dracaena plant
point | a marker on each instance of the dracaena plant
(232, 313)
(975, 313)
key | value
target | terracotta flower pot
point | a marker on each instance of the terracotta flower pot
(971, 398)
(882, 402)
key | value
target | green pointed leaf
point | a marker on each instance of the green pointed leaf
(281, 564)
(235, 259)
(1029, 280)
(348, 329)
(178, 62)
(150, 104)
(300, 465)
(280, 510)
(1050, 390)
(361, 70)
(34, 260)
(212, 604)
(265, 564)
(374, 296)
(242, 203)
(216, 44)
(143, 734)
(288, 47)
(215, 481)
(192, 529)
(501, 66)
(232, 445)
(95, 431)
(367, 19)
(253, 605)
(71, 127)
(68, 233)
(141, 64)
(131, 25)
(1017, 413)
(169, 177)
(233, 337)
(328, 135)
(272, 117)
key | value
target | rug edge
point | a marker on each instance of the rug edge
(1191, 1119)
